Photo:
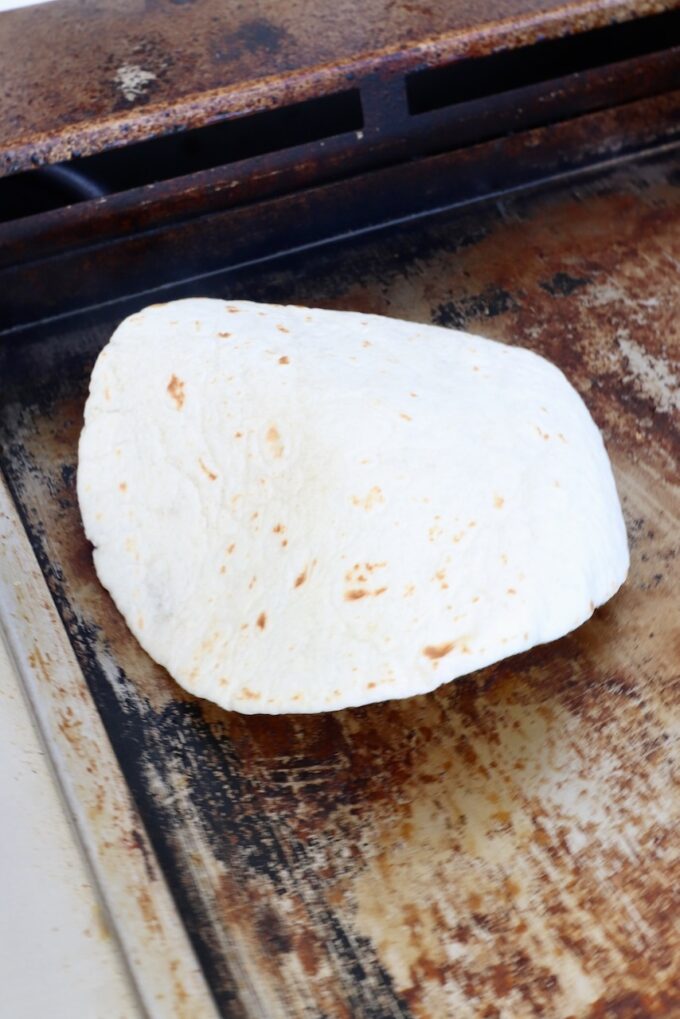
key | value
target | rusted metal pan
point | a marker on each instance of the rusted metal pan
(81, 78)
(506, 847)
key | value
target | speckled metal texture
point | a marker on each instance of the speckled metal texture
(80, 77)
(506, 847)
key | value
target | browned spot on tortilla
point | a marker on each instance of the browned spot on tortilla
(251, 585)
(230, 548)
(375, 566)
(232, 310)
(249, 695)
(299, 581)
(176, 389)
(472, 523)
(123, 486)
(284, 360)
(140, 622)
(107, 393)
(355, 594)
(371, 686)
(284, 542)
(224, 336)
(206, 470)
(274, 439)
(223, 568)
(544, 435)
(238, 435)
(498, 501)
(296, 697)
(409, 590)
(439, 650)
(413, 394)
(379, 590)
(406, 417)
(262, 620)
(372, 498)
(511, 590)
(282, 329)
(366, 343)
(223, 681)
(278, 529)
(475, 599)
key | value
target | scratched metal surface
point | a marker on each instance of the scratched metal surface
(80, 76)
(507, 846)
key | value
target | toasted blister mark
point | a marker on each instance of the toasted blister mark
(284, 360)
(175, 388)
(406, 417)
(274, 440)
(249, 695)
(435, 651)
(262, 620)
(282, 329)
(123, 486)
(206, 470)
(374, 497)
(355, 594)
(498, 501)
(300, 579)
(224, 336)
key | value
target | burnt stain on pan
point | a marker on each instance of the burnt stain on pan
(506, 845)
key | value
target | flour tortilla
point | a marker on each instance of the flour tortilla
(300, 510)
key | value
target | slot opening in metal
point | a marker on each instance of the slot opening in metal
(179, 154)
(541, 62)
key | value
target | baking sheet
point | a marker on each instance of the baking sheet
(508, 845)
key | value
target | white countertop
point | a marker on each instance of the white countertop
(57, 957)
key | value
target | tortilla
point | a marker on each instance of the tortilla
(299, 510)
